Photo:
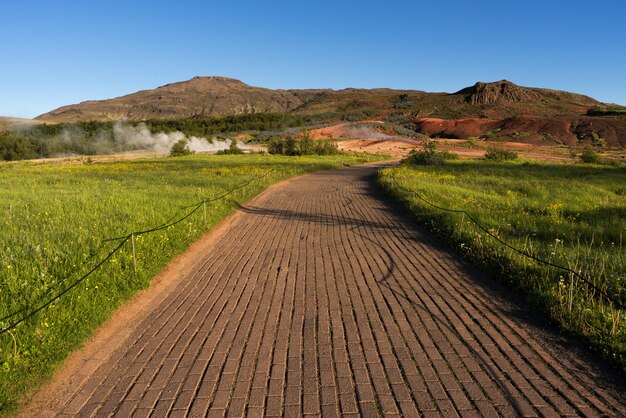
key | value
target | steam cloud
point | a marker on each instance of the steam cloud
(140, 137)
(368, 133)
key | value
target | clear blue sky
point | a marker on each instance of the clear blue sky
(61, 52)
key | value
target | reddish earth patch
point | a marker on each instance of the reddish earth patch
(583, 130)
(396, 149)
(455, 128)
(344, 130)
(353, 137)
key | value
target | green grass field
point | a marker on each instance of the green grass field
(571, 215)
(55, 218)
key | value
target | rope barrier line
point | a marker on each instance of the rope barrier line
(506, 244)
(123, 239)
(64, 291)
(48, 290)
(195, 208)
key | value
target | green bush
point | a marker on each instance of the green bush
(597, 140)
(447, 155)
(180, 149)
(423, 157)
(589, 156)
(472, 140)
(303, 146)
(326, 148)
(490, 134)
(499, 154)
(429, 156)
(232, 149)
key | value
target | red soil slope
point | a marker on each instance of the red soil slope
(531, 129)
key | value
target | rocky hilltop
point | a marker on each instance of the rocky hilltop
(500, 92)
(220, 96)
(505, 92)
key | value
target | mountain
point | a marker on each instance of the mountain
(200, 96)
(220, 96)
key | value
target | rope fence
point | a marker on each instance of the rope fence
(524, 253)
(123, 240)
(202, 204)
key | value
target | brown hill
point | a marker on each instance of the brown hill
(219, 96)
(200, 96)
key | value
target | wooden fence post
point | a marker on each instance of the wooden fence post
(132, 240)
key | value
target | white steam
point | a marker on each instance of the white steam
(140, 137)
(368, 133)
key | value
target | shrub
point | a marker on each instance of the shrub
(597, 140)
(589, 156)
(447, 155)
(499, 154)
(429, 155)
(490, 134)
(326, 148)
(472, 140)
(423, 157)
(304, 146)
(232, 149)
(180, 148)
(284, 146)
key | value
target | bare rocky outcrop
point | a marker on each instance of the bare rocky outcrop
(502, 91)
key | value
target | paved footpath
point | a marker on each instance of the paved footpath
(324, 299)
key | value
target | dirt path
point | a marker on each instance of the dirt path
(320, 297)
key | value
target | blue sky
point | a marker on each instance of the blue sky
(61, 52)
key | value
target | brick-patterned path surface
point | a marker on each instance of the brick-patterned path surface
(324, 299)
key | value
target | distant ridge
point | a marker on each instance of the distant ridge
(220, 96)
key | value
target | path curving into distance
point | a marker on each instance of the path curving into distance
(321, 297)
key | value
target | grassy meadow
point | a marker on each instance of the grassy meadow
(569, 214)
(55, 219)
